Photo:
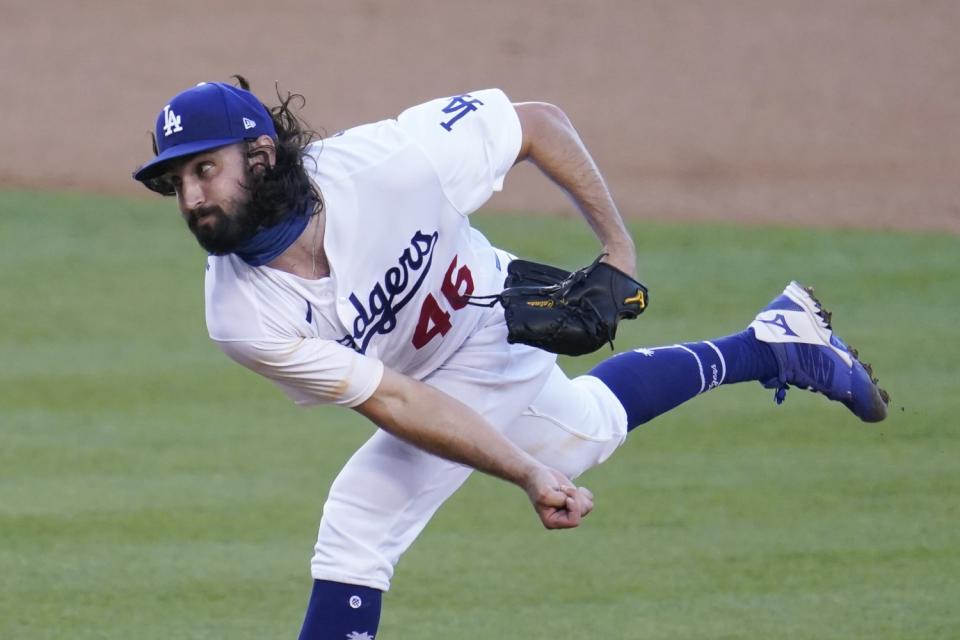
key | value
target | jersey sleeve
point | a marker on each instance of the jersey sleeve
(472, 140)
(311, 370)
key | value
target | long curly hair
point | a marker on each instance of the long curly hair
(285, 187)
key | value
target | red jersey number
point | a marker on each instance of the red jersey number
(434, 320)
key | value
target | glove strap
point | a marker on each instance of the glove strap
(483, 301)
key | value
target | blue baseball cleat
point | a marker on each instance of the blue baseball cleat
(810, 356)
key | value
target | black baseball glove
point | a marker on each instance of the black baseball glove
(569, 313)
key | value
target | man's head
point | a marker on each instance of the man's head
(235, 166)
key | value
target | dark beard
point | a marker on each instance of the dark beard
(270, 197)
(226, 233)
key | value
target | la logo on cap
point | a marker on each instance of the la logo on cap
(171, 122)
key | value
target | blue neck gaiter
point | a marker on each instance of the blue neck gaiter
(270, 242)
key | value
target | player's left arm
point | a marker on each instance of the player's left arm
(552, 143)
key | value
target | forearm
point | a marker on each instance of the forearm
(554, 146)
(435, 422)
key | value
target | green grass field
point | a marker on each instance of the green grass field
(151, 489)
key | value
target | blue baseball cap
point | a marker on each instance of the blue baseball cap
(207, 116)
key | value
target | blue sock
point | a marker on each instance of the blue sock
(649, 382)
(337, 611)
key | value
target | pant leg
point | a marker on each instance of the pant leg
(572, 425)
(388, 490)
(377, 506)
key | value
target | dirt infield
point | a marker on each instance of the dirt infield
(840, 113)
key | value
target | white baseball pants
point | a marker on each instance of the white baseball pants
(389, 490)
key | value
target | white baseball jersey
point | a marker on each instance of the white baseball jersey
(402, 257)
(401, 252)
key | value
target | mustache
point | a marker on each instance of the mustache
(221, 232)
(203, 211)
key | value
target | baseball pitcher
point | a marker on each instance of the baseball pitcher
(345, 270)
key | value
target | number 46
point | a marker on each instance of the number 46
(433, 319)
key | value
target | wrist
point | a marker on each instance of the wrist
(530, 471)
(620, 246)
(622, 256)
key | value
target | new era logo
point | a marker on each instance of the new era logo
(248, 123)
